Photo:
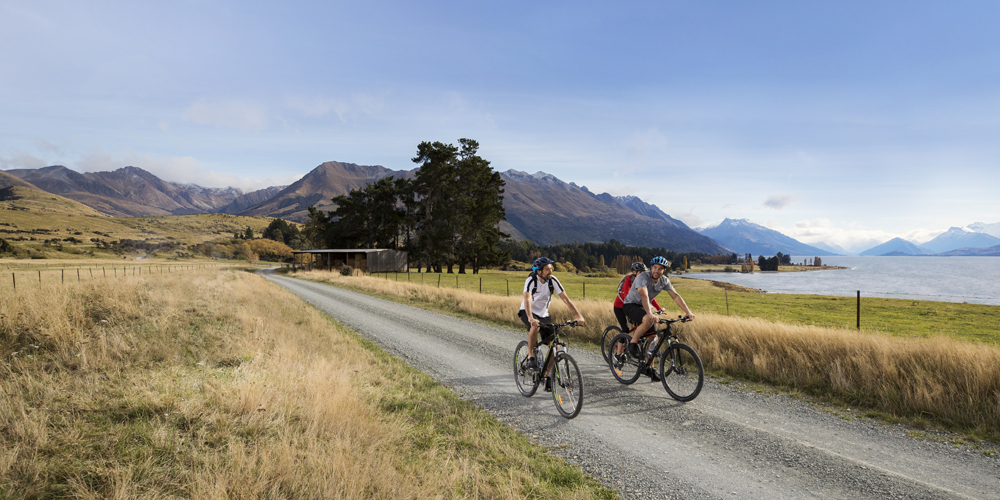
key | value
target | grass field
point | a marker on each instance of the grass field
(201, 383)
(904, 318)
(935, 381)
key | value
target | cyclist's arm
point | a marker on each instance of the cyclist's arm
(680, 303)
(656, 307)
(644, 297)
(527, 310)
(572, 307)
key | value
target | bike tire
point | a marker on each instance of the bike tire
(526, 382)
(681, 372)
(567, 386)
(609, 334)
(624, 367)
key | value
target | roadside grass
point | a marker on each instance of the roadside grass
(935, 381)
(215, 384)
(898, 317)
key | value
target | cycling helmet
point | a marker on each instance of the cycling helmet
(661, 260)
(540, 263)
(638, 266)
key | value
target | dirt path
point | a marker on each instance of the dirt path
(729, 443)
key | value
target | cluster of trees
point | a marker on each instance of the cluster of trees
(772, 263)
(125, 245)
(259, 248)
(448, 215)
(609, 256)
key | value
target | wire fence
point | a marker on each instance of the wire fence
(41, 276)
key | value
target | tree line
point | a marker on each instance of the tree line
(448, 215)
(601, 257)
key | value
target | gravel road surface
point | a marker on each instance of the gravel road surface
(728, 443)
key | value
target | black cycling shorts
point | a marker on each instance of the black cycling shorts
(545, 329)
(634, 312)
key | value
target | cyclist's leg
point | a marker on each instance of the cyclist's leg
(532, 336)
(622, 319)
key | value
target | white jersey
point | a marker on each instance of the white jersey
(541, 294)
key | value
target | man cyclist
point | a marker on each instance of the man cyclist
(623, 288)
(638, 308)
(538, 291)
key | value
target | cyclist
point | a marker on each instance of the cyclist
(623, 288)
(637, 303)
(538, 291)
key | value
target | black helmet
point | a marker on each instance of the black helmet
(638, 266)
(540, 263)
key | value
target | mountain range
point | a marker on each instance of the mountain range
(540, 207)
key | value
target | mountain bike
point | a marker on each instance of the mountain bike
(681, 370)
(563, 374)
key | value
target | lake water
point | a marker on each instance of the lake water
(975, 280)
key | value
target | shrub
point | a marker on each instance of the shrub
(346, 271)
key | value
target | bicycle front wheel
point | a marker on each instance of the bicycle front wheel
(624, 367)
(609, 334)
(681, 372)
(526, 381)
(567, 386)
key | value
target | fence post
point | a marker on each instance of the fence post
(480, 285)
(13, 276)
(508, 287)
(40, 276)
(62, 275)
(584, 289)
(439, 280)
(859, 310)
(727, 301)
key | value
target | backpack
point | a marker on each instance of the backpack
(534, 285)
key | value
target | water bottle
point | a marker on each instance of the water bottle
(652, 346)
(538, 357)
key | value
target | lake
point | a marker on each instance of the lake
(975, 280)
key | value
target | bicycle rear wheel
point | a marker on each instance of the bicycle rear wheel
(567, 386)
(609, 334)
(624, 367)
(526, 381)
(681, 372)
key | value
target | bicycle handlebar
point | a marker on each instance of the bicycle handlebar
(682, 319)
(570, 324)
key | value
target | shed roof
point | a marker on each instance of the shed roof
(333, 250)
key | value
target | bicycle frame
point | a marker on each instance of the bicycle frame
(556, 342)
(664, 336)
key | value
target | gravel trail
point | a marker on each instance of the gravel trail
(729, 443)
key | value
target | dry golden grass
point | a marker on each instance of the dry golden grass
(222, 385)
(936, 380)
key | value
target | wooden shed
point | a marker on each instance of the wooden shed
(375, 260)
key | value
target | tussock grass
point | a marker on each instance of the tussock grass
(222, 385)
(936, 381)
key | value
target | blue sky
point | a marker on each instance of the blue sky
(845, 122)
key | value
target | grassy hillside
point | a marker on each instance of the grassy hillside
(30, 217)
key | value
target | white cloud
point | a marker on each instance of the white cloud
(779, 201)
(228, 114)
(20, 159)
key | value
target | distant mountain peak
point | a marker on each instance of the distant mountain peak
(744, 236)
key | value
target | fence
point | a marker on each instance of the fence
(46, 275)
(905, 316)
